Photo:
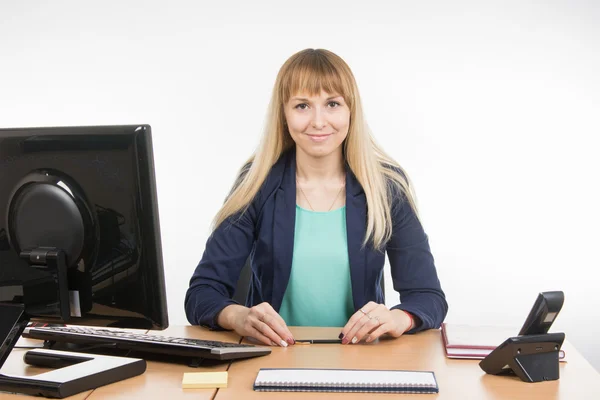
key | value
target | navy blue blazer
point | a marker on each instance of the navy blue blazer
(265, 232)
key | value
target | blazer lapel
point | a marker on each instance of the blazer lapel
(284, 223)
(356, 224)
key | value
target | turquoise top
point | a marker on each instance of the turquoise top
(319, 291)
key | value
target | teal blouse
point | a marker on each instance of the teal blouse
(319, 291)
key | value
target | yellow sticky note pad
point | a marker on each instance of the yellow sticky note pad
(204, 380)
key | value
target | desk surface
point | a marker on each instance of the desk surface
(457, 379)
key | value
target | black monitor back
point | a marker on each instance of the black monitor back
(89, 192)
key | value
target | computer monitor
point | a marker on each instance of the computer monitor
(79, 244)
(79, 226)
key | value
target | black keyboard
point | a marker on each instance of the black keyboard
(193, 348)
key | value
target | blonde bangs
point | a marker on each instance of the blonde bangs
(312, 72)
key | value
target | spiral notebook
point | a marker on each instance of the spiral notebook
(345, 380)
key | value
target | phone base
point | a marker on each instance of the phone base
(533, 358)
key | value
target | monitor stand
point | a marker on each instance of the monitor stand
(74, 373)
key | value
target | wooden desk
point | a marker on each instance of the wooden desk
(457, 379)
(163, 380)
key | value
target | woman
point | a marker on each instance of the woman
(299, 210)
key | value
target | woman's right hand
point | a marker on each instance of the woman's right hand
(260, 322)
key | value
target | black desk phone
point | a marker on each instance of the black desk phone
(533, 354)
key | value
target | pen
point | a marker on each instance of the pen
(319, 341)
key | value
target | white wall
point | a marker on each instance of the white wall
(493, 109)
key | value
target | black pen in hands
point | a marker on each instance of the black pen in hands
(319, 341)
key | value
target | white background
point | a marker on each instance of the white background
(492, 107)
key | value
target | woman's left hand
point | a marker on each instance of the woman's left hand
(372, 321)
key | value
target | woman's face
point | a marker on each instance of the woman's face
(318, 124)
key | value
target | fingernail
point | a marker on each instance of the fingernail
(341, 336)
(273, 343)
(354, 339)
(345, 340)
(368, 338)
(283, 343)
(291, 340)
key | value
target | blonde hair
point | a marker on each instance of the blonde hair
(311, 71)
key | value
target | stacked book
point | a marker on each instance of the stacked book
(476, 342)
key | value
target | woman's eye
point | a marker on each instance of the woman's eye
(302, 106)
(334, 104)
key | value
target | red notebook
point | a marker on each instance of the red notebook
(476, 342)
